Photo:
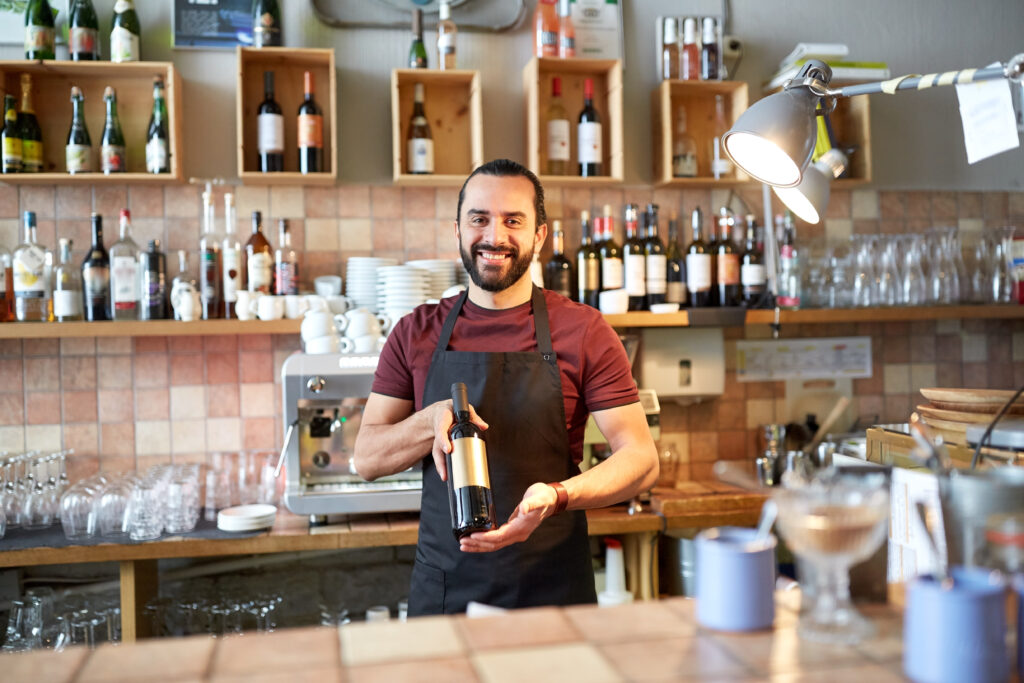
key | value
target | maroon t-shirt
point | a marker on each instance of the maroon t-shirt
(591, 359)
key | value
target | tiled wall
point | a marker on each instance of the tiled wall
(123, 402)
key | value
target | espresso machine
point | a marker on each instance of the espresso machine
(324, 396)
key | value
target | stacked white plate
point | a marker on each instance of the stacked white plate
(461, 276)
(361, 280)
(246, 517)
(441, 272)
(401, 289)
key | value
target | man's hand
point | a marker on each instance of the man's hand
(538, 503)
(442, 418)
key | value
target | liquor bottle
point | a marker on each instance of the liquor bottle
(83, 32)
(446, 33)
(153, 290)
(684, 149)
(311, 130)
(675, 263)
(417, 50)
(184, 278)
(588, 266)
(269, 129)
(125, 33)
(112, 158)
(537, 270)
(48, 268)
(10, 135)
(545, 29)
(728, 291)
(419, 143)
(67, 287)
(39, 33)
(709, 67)
(721, 164)
(558, 131)
(469, 481)
(259, 257)
(266, 23)
(634, 261)
(558, 273)
(752, 273)
(231, 258)
(566, 31)
(124, 273)
(689, 56)
(30, 303)
(96, 276)
(698, 265)
(588, 134)
(157, 145)
(6, 286)
(78, 151)
(670, 50)
(209, 263)
(655, 261)
(31, 133)
(610, 253)
(286, 262)
(789, 267)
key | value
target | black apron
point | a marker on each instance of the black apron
(520, 397)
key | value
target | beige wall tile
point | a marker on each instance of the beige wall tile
(355, 233)
(897, 378)
(322, 234)
(43, 437)
(9, 236)
(188, 436)
(188, 401)
(112, 346)
(13, 437)
(975, 348)
(970, 227)
(838, 229)
(249, 199)
(223, 434)
(287, 202)
(574, 662)
(922, 375)
(760, 411)
(152, 437)
(865, 204)
(76, 346)
(257, 399)
(384, 641)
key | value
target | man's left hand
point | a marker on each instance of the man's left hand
(537, 504)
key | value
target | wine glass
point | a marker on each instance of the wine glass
(831, 524)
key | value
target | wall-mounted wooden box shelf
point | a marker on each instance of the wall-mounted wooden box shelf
(288, 65)
(133, 82)
(607, 77)
(452, 103)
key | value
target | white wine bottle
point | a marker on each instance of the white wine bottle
(469, 481)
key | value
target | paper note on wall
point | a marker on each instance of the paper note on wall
(990, 123)
(827, 358)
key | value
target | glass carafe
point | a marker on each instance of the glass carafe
(1001, 288)
(914, 290)
(944, 280)
(864, 277)
(888, 275)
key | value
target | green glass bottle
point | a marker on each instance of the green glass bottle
(112, 145)
(83, 32)
(78, 151)
(266, 23)
(39, 31)
(10, 135)
(124, 33)
(417, 51)
(157, 146)
(31, 133)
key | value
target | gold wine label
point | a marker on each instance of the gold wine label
(469, 463)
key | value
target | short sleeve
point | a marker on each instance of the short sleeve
(394, 369)
(607, 376)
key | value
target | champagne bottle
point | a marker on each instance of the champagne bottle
(420, 144)
(417, 50)
(270, 129)
(311, 131)
(10, 135)
(588, 134)
(698, 265)
(259, 257)
(209, 263)
(469, 482)
(286, 262)
(30, 304)
(96, 276)
(124, 273)
(78, 151)
(231, 258)
(39, 33)
(446, 32)
(67, 287)
(266, 23)
(125, 33)
(558, 131)
(157, 145)
(83, 32)
(558, 272)
(153, 290)
(112, 145)
(588, 266)
(31, 133)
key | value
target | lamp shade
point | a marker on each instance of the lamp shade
(808, 199)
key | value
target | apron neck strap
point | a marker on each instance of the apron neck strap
(540, 321)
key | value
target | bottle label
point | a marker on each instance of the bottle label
(549, 43)
(311, 131)
(589, 276)
(635, 274)
(156, 155)
(589, 140)
(67, 303)
(124, 45)
(261, 271)
(125, 274)
(112, 158)
(684, 165)
(728, 269)
(721, 165)
(38, 38)
(752, 274)
(675, 293)
(153, 287)
(232, 260)
(698, 272)
(786, 251)
(96, 284)
(446, 44)
(788, 301)
(28, 272)
(82, 40)
(78, 158)
(657, 265)
(208, 275)
(469, 463)
(12, 154)
(567, 46)
(287, 281)
(558, 140)
(270, 133)
(32, 156)
(421, 155)
(266, 34)
(611, 273)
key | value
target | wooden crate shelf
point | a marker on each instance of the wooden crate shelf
(895, 314)
(452, 101)
(133, 82)
(288, 65)
(148, 328)
(607, 77)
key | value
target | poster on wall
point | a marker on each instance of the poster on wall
(829, 358)
(212, 23)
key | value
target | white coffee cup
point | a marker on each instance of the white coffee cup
(362, 322)
(613, 301)
(318, 324)
(243, 305)
(295, 306)
(326, 344)
(368, 343)
(338, 303)
(315, 302)
(268, 307)
(186, 303)
(327, 285)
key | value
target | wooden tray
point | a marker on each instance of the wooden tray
(972, 400)
(931, 412)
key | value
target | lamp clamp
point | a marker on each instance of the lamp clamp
(1014, 69)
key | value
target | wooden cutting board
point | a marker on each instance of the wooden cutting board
(972, 400)
(931, 412)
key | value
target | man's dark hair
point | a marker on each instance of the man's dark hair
(508, 168)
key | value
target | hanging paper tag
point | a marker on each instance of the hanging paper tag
(990, 124)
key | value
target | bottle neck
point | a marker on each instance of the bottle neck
(126, 229)
(97, 234)
(65, 254)
(182, 261)
(159, 104)
(77, 115)
(111, 110)
(26, 99)
(558, 243)
(284, 238)
(30, 233)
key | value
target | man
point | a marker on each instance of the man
(535, 365)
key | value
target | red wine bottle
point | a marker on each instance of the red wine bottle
(469, 481)
(588, 135)
(270, 129)
(311, 131)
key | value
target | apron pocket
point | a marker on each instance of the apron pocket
(426, 590)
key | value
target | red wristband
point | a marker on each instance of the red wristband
(562, 497)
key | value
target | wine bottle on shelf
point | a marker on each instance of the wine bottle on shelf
(231, 258)
(31, 133)
(286, 262)
(698, 264)
(684, 149)
(675, 263)
(558, 131)
(30, 304)
(566, 31)
(78, 150)
(124, 273)
(417, 50)
(689, 55)
(558, 272)
(185, 277)
(753, 278)
(670, 50)
(310, 130)
(259, 258)
(721, 164)
(125, 33)
(39, 32)
(67, 286)
(588, 265)
(420, 143)
(209, 263)
(83, 32)
(728, 291)
(545, 29)
(709, 66)
(6, 286)
(446, 34)
(634, 261)
(655, 260)
(469, 481)
(588, 134)
(10, 137)
(269, 129)
(112, 159)
(789, 266)
(266, 23)
(153, 289)
(157, 143)
(96, 276)
(610, 253)
(49, 263)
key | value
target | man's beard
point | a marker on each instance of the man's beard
(518, 265)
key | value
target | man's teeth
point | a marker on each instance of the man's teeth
(488, 256)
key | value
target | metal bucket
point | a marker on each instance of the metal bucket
(677, 563)
(969, 498)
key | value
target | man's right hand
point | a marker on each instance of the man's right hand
(442, 418)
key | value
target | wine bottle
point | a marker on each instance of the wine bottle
(83, 32)
(727, 264)
(124, 272)
(184, 278)
(311, 130)
(689, 65)
(721, 164)
(78, 151)
(153, 289)
(231, 258)
(446, 33)
(588, 265)
(31, 133)
(67, 286)
(558, 272)
(6, 286)
(30, 304)
(417, 50)
(266, 23)
(558, 131)
(125, 33)
(10, 136)
(684, 149)
(209, 263)
(269, 129)
(698, 265)
(789, 266)
(753, 278)
(675, 289)
(588, 134)
(610, 252)
(420, 142)
(469, 480)
(634, 261)
(654, 259)
(157, 144)
(112, 145)
(670, 50)
(286, 262)
(96, 276)
(709, 70)
(545, 29)
(39, 33)
(259, 257)
(566, 31)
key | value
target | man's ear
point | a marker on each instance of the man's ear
(542, 235)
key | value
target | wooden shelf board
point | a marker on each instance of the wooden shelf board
(577, 181)
(648, 319)
(896, 314)
(148, 328)
(574, 65)
(89, 179)
(703, 182)
(286, 178)
(430, 180)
